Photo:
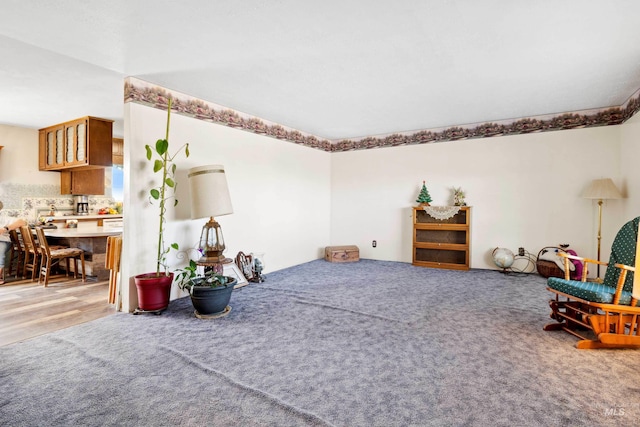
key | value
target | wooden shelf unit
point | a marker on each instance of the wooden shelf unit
(441, 243)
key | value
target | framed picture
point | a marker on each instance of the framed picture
(245, 264)
(232, 270)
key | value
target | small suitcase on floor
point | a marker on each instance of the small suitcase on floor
(349, 253)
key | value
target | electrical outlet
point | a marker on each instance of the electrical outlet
(520, 251)
(374, 243)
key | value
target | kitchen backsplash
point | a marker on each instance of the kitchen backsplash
(29, 201)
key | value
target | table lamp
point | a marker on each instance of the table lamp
(210, 198)
(601, 189)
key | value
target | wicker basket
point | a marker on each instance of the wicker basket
(549, 269)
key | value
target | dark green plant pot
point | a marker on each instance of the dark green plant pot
(208, 301)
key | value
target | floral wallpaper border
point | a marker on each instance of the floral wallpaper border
(145, 93)
(141, 92)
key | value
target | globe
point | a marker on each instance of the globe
(503, 257)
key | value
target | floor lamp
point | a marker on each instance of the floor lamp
(601, 189)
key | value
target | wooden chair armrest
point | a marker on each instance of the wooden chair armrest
(625, 267)
(566, 255)
(621, 279)
(585, 261)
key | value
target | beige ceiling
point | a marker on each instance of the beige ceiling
(332, 68)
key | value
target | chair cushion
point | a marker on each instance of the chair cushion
(66, 252)
(589, 291)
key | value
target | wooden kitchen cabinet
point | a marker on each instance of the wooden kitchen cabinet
(87, 181)
(51, 148)
(75, 152)
(118, 151)
(441, 243)
(84, 143)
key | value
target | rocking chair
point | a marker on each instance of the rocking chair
(607, 314)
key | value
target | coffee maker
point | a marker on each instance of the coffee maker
(81, 205)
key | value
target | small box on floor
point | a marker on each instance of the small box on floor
(349, 253)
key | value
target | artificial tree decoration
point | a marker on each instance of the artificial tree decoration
(424, 198)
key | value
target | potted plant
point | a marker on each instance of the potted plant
(154, 289)
(210, 293)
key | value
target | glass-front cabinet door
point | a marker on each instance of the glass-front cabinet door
(76, 143)
(52, 148)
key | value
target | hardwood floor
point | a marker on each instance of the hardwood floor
(28, 310)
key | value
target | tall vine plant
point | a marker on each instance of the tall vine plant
(163, 163)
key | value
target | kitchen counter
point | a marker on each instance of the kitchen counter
(87, 220)
(89, 231)
(91, 239)
(84, 217)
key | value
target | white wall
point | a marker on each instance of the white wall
(280, 193)
(524, 191)
(630, 165)
(19, 158)
(19, 174)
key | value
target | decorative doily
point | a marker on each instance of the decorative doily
(441, 212)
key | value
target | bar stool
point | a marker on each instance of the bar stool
(112, 262)
(16, 255)
(31, 253)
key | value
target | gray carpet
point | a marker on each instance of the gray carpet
(371, 343)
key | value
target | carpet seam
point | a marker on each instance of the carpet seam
(301, 301)
(310, 416)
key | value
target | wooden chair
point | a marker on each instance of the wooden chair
(31, 253)
(16, 254)
(112, 262)
(602, 315)
(50, 257)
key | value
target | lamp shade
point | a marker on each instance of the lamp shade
(602, 189)
(209, 192)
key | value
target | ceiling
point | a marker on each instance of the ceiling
(332, 68)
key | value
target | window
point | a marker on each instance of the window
(117, 186)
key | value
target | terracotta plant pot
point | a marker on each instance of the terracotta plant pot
(153, 291)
